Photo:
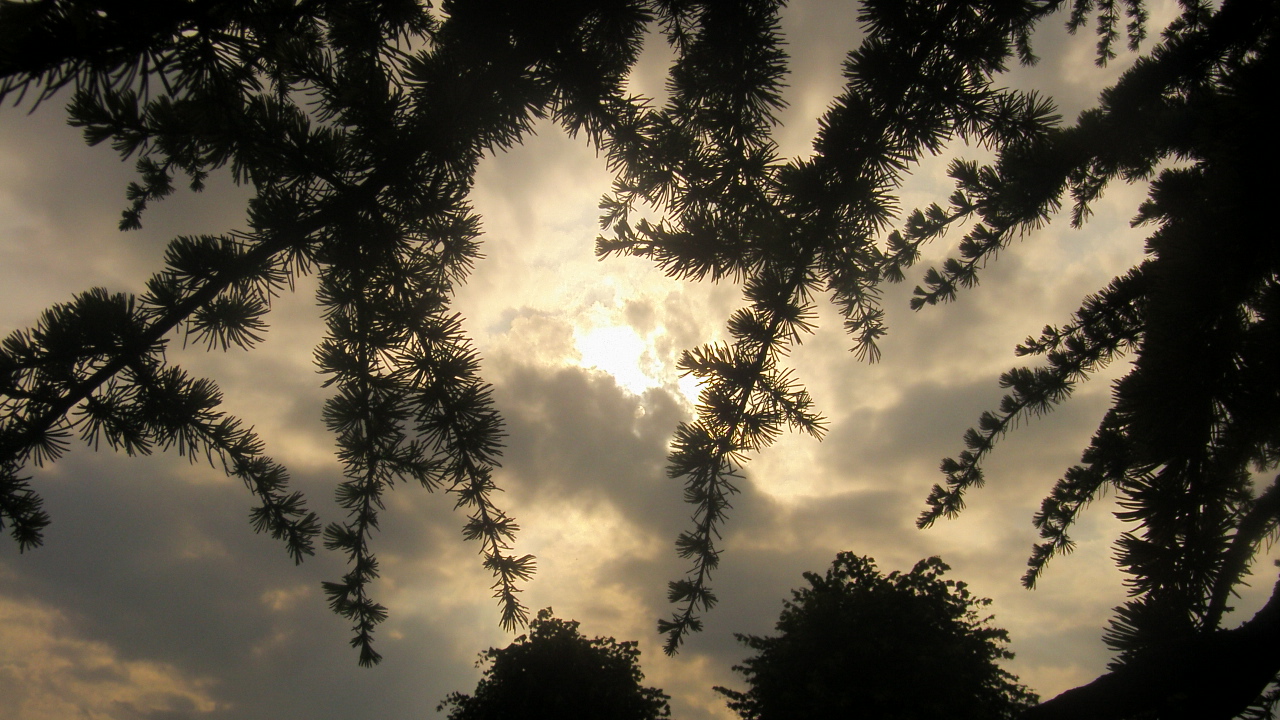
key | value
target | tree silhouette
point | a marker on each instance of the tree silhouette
(1210, 674)
(789, 231)
(359, 124)
(555, 672)
(1196, 416)
(1192, 422)
(857, 643)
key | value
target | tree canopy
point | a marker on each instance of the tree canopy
(555, 672)
(359, 125)
(857, 643)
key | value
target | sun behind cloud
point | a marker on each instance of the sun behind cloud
(619, 351)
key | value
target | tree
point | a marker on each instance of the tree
(1192, 423)
(555, 672)
(1214, 674)
(1195, 420)
(859, 644)
(359, 124)
(365, 181)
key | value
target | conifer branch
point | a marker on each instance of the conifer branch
(1261, 520)
(1105, 326)
(738, 413)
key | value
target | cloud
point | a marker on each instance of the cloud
(574, 432)
(60, 204)
(153, 560)
(48, 672)
(830, 30)
(152, 592)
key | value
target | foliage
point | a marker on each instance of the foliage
(1196, 416)
(1192, 422)
(857, 643)
(359, 125)
(555, 672)
(789, 231)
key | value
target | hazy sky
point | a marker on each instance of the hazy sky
(152, 597)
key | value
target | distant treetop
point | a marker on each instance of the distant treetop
(553, 672)
(860, 644)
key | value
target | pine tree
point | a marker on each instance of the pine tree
(787, 231)
(1196, 416)
(1192, 422)
(359, 124)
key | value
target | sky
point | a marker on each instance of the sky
(152, 598)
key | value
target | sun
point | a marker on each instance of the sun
(617, 350)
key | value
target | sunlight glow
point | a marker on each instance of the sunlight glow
(617, 350)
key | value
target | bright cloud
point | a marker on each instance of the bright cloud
(617, 350)
(48, 673)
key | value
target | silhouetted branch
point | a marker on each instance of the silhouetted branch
(1213, 676)
(1257, 524)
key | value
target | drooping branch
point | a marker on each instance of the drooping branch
(740, 412)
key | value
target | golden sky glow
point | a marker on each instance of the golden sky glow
(153, 593)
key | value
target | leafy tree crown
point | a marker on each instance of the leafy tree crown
(857, 643)
(555, 672)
